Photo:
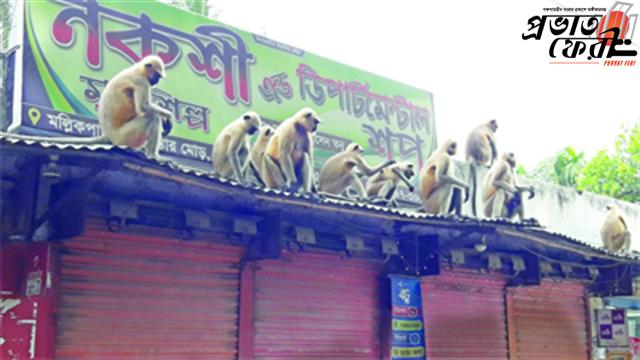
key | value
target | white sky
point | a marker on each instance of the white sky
(471, 55)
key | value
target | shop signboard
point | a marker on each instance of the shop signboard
(215, 73)
(407, 326)
(612, 328)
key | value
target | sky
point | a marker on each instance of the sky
(471, 56)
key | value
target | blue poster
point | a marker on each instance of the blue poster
(407, 341)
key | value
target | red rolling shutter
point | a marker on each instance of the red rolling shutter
(146, 296)
(548, 322)
(464, 315)
(317, 306)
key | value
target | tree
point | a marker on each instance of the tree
(562, 169)
(198, 6)
(521, 171)
(617, 174)
(6, 22)
(567, 167)
(201, 7)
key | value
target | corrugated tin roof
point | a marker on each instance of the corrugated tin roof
(529, 227)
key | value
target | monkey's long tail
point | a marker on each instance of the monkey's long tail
(65, 139)
(474, 190)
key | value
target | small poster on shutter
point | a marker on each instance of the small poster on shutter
(612, 328)
(407, 327)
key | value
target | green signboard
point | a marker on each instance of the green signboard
(214, 73)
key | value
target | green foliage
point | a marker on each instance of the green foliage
(593, 178)
(6, 18)
(198, 6)
(615, 174)
(618, 174)
(567, 167)
(562, 169)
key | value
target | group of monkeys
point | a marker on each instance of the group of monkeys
(282, 158)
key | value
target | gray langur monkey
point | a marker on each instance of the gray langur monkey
(259, 147)
(257, 151)
(288, 159)
(501, 195)
(614, 233)
(125, 111)
(230, 155)
(480, 150)
(383, 185)
(437, 182)
(339, 171)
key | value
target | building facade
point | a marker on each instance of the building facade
(107, 254)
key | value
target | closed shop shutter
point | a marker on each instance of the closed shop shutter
(464, 314)
(548, 321)
(317, 306)
(146, 296)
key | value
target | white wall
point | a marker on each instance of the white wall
(563, 210)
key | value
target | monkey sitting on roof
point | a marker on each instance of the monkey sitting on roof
(501, 195)
(287, 163)
(125, 112)
(614, 233)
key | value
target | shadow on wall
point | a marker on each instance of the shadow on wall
(563, 210)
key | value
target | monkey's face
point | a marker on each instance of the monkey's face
(408, 170)
(154, 69)
(253, 122)
(451, 149)
(493, 125)
(355, 148)
(154, 79)
(266, 132)
(510, 159)
(311, 120)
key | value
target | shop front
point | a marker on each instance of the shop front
(316, 305)
(155, 261)
(548, 321)
(464, 315)
(145, 293)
